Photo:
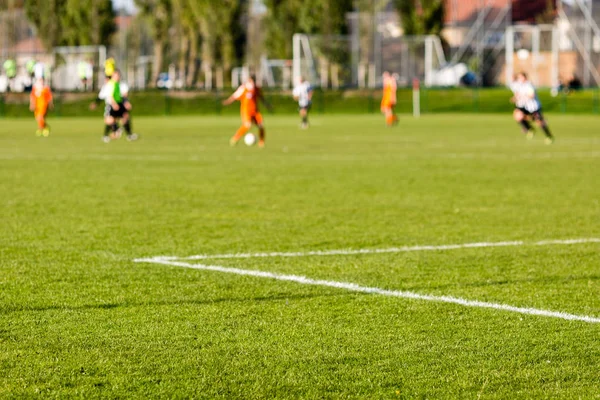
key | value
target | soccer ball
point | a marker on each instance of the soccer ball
(249, 139)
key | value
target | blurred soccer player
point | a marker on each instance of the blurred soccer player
(303, 95)
(388, 102)
(39, 102)
(528, 106)
(118, 107)
(104, 97)
(248, 94)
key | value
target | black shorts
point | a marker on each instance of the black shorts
(536, 115)
(118, 113)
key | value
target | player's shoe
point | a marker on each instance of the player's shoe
(106, 139)
(117, 134)
(529, 135)
(233, 142)
(549, 140)
(46, 132)
(38, 132)
(304, 125)
(261, 144)
(133, 137)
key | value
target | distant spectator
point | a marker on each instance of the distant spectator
(574, 83)
(85, 71)
(30, 67)
(570, 84)
(10, 69)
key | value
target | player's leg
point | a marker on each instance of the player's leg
(40, 118)
(387, 111)
(116, 116)
(115, 129)
(258, 120)
(389, 116)
(304, 117)
(541, 122)
(127, 126)
(242, 130)
(107, 123)
(44, 124)
(393, 112)
(40, 123)
(521, 119)
(110, 126)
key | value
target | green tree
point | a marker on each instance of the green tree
(188, 30)
(188, 40)
(287, 17)
(72, 22)
(87, 22)
(43, 14)
(282, 21)
(159, 15)
(11, 4)
(324, 17)
(216, 24)
(421, 17)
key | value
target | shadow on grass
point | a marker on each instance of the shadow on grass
(501, 282)
(417, 288)
(109, 306)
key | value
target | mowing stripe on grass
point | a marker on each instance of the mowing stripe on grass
(303, 156)
(373, 290)
(402, 249)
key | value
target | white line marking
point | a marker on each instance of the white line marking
(383, 251)
(373, 290)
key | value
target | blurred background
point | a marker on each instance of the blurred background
(208, 45)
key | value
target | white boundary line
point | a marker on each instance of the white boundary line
(373, 290)
(380, 251)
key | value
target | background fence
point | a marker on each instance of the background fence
(482, 42)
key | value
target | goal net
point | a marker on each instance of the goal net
(78, 68)
(325, 61)
(413, 57)
(338, 61)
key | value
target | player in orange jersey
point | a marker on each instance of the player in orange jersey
(248, 94)
(388, 102)
(39, 102)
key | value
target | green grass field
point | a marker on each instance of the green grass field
(79, 318)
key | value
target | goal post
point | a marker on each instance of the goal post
(68, 66)
(325, 61)
(335, 61)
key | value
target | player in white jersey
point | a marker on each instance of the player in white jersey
(303, 95)
(110, 120)
(528, 106)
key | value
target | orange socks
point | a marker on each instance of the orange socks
(240, 133)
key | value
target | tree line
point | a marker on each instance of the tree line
(196, 35)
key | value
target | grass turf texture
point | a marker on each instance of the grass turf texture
(433, 101)
(79, 319)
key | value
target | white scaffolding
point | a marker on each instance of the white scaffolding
(578, 18)
(532, 52)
